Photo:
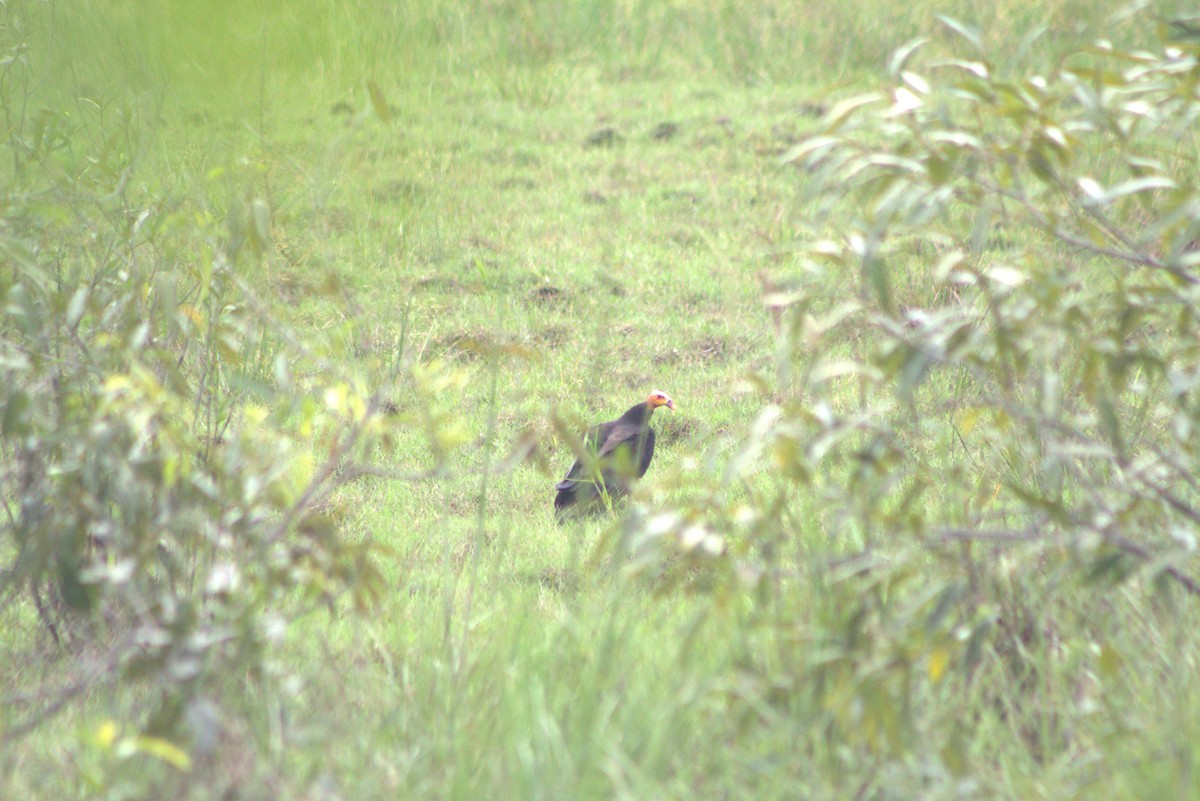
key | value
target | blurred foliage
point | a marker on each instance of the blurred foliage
(986, 397)
(981, 419)
(168, 449)
(1051, 230)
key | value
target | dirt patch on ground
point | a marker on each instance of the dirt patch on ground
(548, 295)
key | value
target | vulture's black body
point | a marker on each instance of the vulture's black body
(616, 453)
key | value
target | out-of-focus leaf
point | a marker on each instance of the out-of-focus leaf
(810, 146)
(903, 53)
(955, 753)
(260, 229)
(74, 592)
(836, 117)
(1098, 195)
(106, 735)
(839, 368)
(16, 413)
(968, 32)
(975, 68)
(77, 306)
(1006, 276)
(1109, 662)
(966, 419)
(939, 659)
(379, 102)
(165, 751)
(1112, 567)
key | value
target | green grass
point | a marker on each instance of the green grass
(599, 184)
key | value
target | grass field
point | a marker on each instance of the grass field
(569, 205)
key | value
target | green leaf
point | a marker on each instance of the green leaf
(16, 413)
(77, 306)
(968, 32)
(960, 139)
(939, 658)
(379, 102)
(955, 752)
(903, 53)
(1035, 157)
(165, 751)
(1110, 663)
(965, 419)
(74, 592)
(1100, 196)
(913, 371)
(836, 117)
(1112, 567)
(1110, 423)
(811, 146)
(1183, 29)
(260, 230)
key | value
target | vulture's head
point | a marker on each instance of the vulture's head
(659, 398)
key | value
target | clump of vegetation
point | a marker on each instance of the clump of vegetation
(985, 402)
(922, 525)
(170, 448)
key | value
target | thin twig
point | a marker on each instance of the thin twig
(104, 673)
(1118, 541)
(1130, 547)
(949, 535)
(1131, 256)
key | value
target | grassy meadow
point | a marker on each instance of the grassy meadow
(566, 206)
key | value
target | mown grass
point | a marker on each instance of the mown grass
(571, 204)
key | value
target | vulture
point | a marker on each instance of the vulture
(615, 453)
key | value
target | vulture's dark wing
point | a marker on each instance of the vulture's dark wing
(625, 455)
(594, 440)
(647, 452)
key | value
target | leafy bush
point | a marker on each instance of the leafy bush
(1054, 222)
(169, 450)
(985, 414)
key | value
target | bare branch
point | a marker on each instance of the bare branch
(948, 535)
(1130, 547)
